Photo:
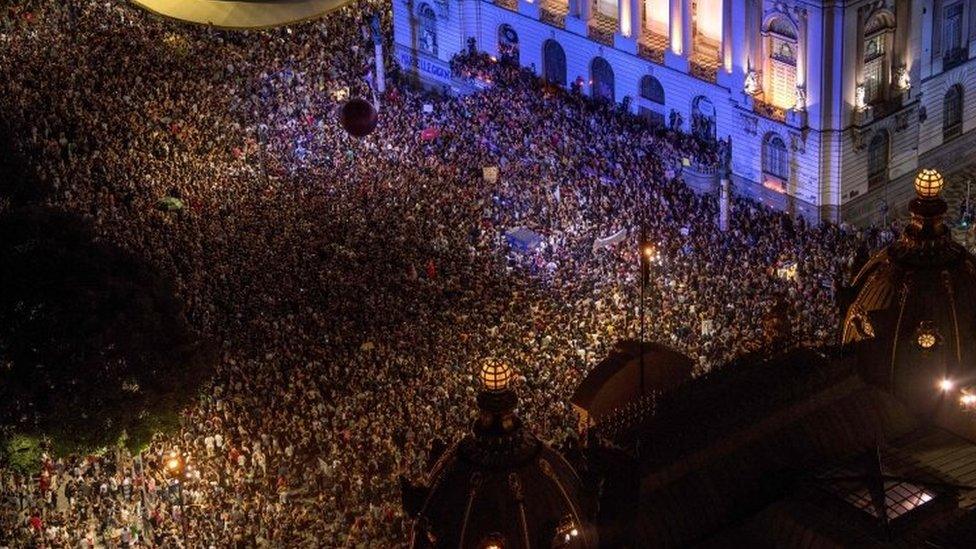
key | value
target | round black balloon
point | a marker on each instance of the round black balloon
(359, 117)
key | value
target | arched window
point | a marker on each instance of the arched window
(878, 159)
(877, 41)
(508, 43)
(554, 63)
(427, 34)
(779, 66)
(602, 79)
(651, 89)
(775, 158)
(652, 92)
(952, 113)
(703, 118)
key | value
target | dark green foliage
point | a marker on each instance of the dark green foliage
(92, 342)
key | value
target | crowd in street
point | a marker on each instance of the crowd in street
(353, 285)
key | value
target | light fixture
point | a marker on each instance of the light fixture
(968, 400)
(495, 375)
(946, 385)
(927, 336)
(929, 183)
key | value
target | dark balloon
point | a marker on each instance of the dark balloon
(359, 117)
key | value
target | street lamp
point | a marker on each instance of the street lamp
(648, 256)
(175, 465)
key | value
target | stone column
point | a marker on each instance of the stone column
(679, 28)
(727, 42)
(625, 22)
(801, 47)
(636, 19)
(674, 26)
(687, 34)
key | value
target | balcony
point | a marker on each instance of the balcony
(768, 110)
(704, 69)
(553, 12)
(652, 47)
(705, 60)
(602, 28)
(508, 4)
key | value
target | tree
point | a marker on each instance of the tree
(93, 345)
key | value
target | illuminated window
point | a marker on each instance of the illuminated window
(876, 69)
(427, 38)
(780, 65)
(775, 157)
(900, 498)
(708, 22)
(657, 16)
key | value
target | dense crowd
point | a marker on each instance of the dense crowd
(353, 285)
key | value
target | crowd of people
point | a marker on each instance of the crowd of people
(353, 285)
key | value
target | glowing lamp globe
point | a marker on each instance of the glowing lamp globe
(495, 376)
(928, 184)
(358, 117)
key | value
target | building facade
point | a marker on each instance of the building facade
(831, 106)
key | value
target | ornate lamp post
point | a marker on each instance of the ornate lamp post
(175, 466)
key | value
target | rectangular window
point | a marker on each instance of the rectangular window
(952, 45)
(873, 75)
(783, 84)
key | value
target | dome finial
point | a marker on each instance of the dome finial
(928, 184)
(496, 376)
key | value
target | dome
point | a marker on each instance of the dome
(500, 486)
(913, 318)
(238, 14)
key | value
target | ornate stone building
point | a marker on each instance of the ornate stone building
(831, 106)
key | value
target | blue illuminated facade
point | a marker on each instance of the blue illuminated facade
(831, 107)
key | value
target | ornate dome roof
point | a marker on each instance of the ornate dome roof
(241, 14)
(913, 318)
(500, 486)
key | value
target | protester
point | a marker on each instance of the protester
(353, 285)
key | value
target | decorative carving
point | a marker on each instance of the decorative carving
(857, 138)
(751, 85)
(901, 120)
(750, 124)
(798, 142)
(860, 102)
(902, 79)
(801, 98)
